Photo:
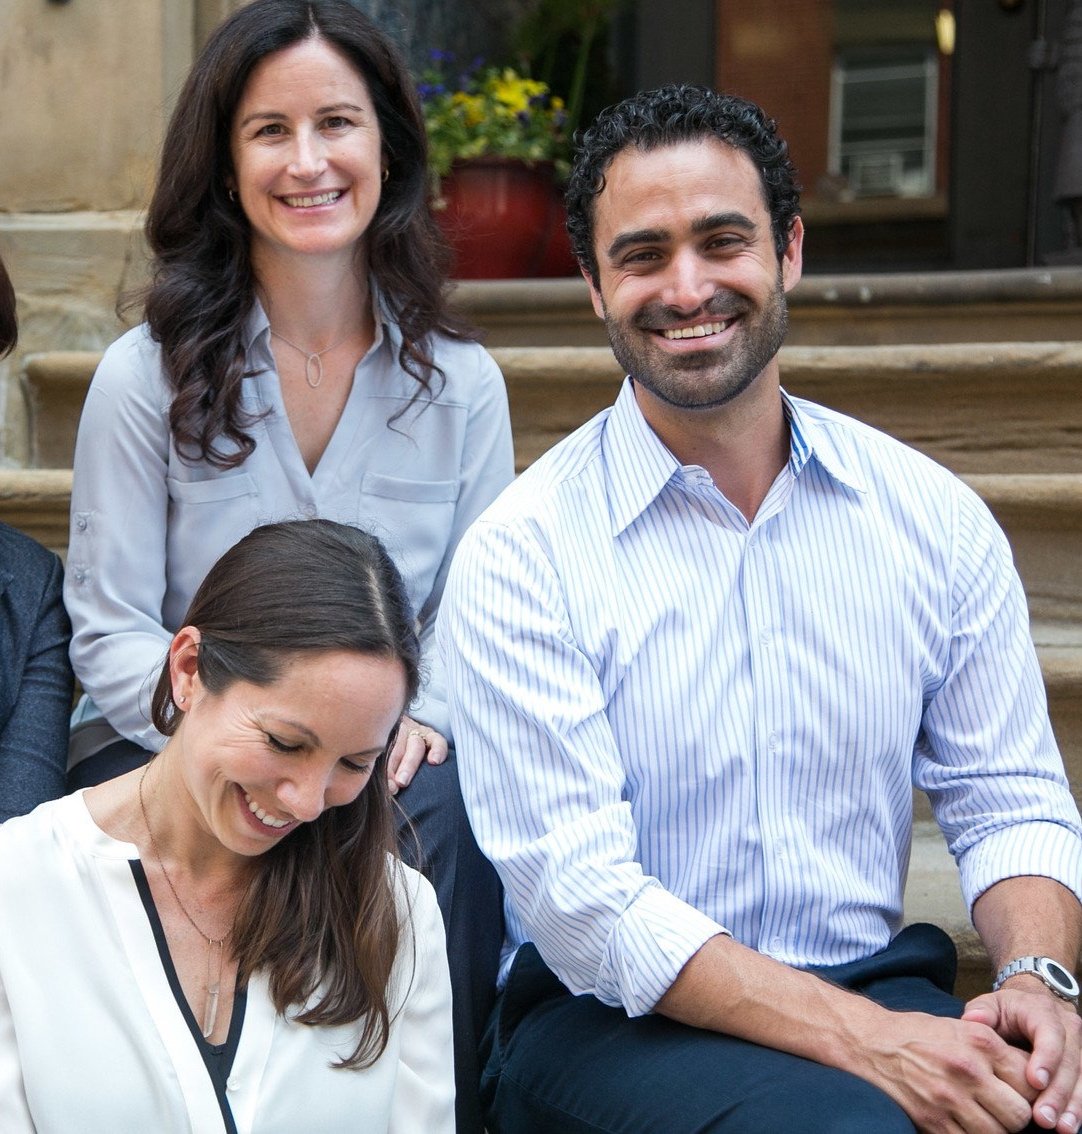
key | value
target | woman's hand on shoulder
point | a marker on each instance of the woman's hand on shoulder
(415, 744)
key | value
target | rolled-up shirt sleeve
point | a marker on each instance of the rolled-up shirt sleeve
(987, 756)
(544, 782)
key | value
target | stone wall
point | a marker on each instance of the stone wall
(86, 88)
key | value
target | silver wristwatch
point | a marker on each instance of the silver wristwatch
(1058, 979)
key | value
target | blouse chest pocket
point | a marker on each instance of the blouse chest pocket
(213, 491)
(412, 491)
(414, 519)
(206, 517)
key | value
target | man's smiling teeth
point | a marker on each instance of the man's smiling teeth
(262, 816)
(699, 331)
(308, 202)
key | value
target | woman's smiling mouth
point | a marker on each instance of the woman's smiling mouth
(307, 202)
(266, 819)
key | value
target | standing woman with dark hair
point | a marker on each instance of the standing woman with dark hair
(297, 360)
(35, 675)
(223, 940)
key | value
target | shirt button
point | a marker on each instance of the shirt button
(776, 944)
(764, 637)
(232, 1083)
(310, 510)
(772, 741)
(80, 523)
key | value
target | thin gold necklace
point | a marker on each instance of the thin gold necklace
(313, 360)
(214, 983)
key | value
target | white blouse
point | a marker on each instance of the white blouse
(92, 1038)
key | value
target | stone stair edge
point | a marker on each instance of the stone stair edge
(888, 357)
(954, 288)
(961, 355)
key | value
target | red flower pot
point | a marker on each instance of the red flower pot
(497, 215)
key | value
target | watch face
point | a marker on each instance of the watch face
(1058, 976)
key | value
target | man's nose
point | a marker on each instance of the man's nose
(688, 283)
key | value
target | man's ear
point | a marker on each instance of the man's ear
(792, 259)
(595, 295)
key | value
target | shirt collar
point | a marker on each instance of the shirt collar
(639, 465)
(810, 436)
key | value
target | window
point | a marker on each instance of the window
(883, 121)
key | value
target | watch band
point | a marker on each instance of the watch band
(1051, 972)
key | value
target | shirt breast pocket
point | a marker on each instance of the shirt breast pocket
(211, 514)
(413, 518)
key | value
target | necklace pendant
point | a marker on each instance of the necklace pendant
(313, 371)
(210, 1011)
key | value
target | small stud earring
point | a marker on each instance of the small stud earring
(386, 176)
(232, 196)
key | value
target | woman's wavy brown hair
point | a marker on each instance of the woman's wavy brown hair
(319, 916)
(203, 285)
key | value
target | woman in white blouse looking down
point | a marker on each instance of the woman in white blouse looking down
(297, 360)
(223, 938)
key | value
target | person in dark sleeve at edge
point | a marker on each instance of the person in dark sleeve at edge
(35, 674)
(700, 654)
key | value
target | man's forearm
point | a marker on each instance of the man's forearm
(917, 1059)
(1029, 916)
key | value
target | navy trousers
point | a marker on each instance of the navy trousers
(562, 1064)
(435, 837)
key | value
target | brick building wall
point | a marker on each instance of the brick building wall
(779, 53)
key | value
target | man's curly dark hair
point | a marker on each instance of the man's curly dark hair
(667, 116)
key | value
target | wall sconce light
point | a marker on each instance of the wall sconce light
(944, 31)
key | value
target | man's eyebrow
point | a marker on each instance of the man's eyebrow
(639, 236)
(661, 235)
(724, 220)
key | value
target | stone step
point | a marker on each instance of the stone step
(987, 408)
(37, 502)
(56, 382)
(1038, 305)
(1042, 516)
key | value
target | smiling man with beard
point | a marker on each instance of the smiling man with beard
(699, 655)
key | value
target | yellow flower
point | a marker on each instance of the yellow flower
(473, 108)
(510, 91)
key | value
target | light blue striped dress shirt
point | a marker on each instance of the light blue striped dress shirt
(670, 721)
